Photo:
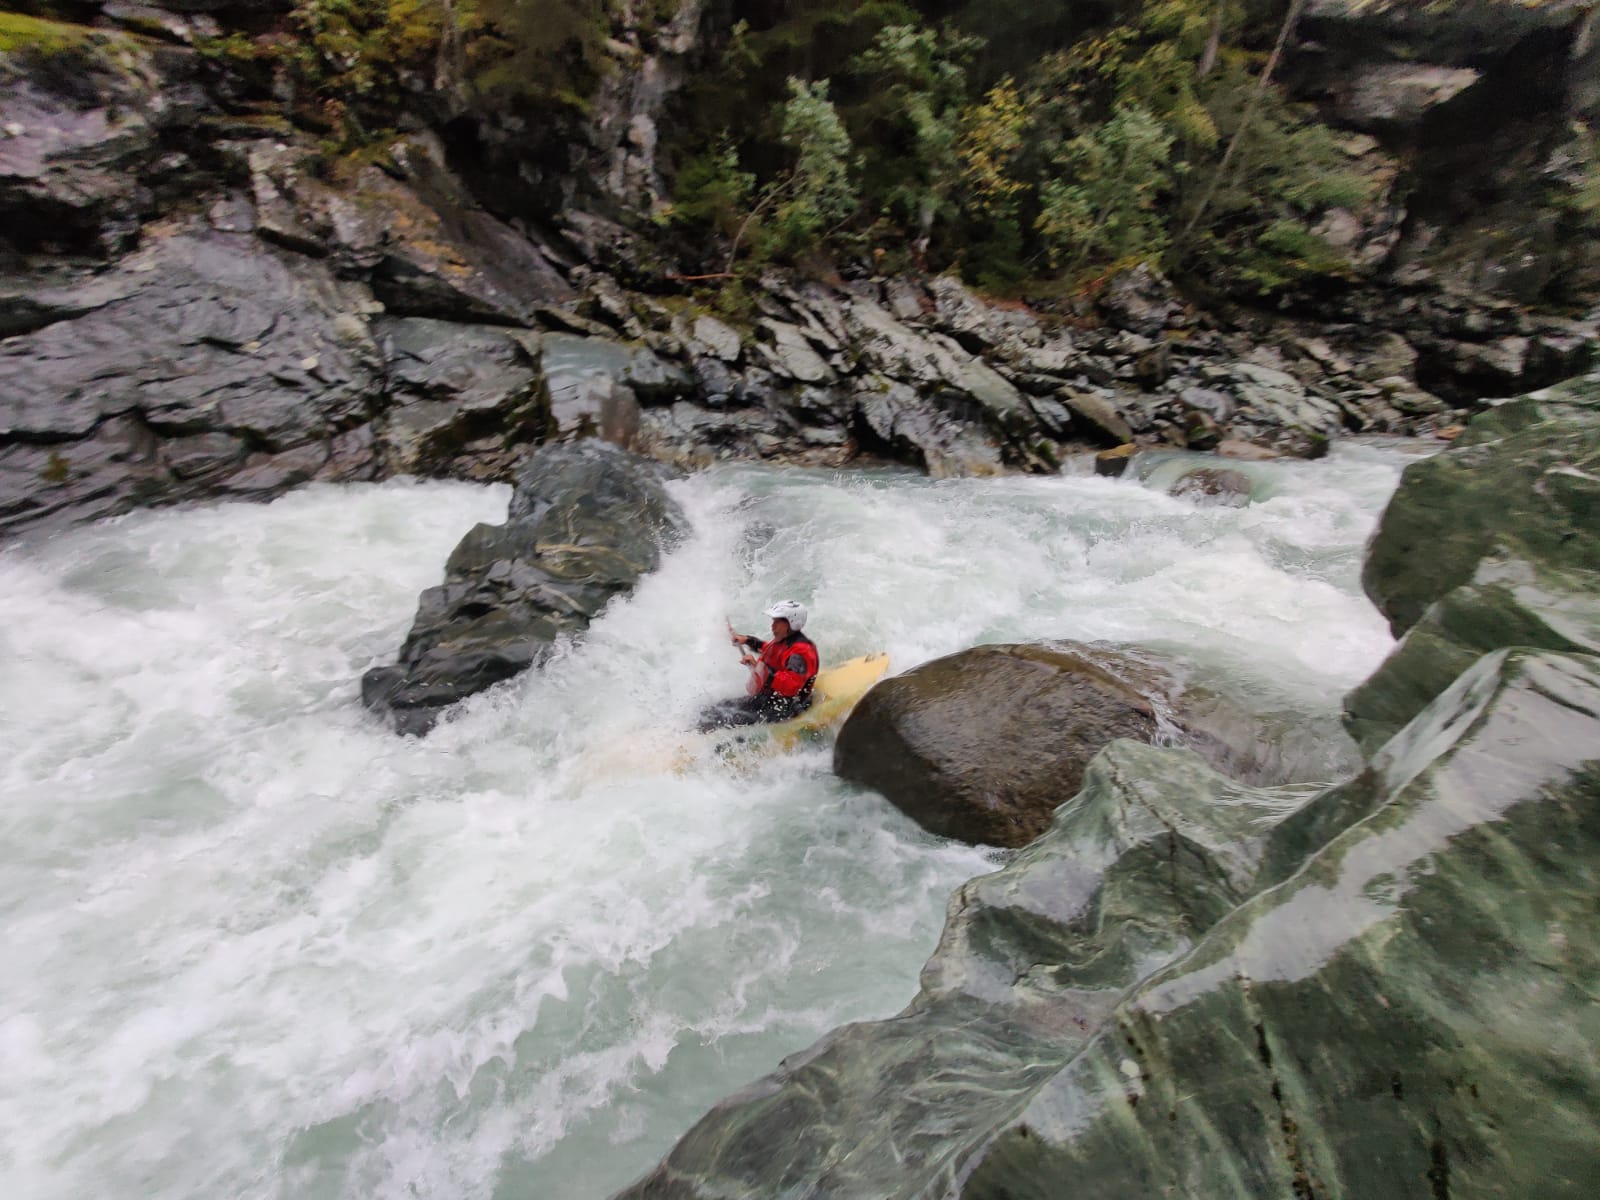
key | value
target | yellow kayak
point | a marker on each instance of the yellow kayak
(836, 691)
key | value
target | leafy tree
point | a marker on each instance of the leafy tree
(992, 133)
(817, 194)
(1106, 205)
(916, 84)
(712, 190)
(1256, 231)
(550, 50)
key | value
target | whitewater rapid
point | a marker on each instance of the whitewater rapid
(257, 946)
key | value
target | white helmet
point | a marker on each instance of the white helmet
(791, 611)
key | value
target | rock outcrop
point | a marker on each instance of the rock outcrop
(198, 299)
(1481, 109)
(586, 521)
(1508, 521)
(205, 363)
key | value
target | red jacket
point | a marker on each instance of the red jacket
(790, 665)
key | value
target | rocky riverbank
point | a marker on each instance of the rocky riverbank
(198, 303)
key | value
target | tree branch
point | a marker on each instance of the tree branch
(1289, 20)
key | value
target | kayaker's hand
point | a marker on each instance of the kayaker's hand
(748, 659)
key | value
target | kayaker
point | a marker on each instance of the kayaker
(782, 671)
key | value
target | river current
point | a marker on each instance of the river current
(257, 946)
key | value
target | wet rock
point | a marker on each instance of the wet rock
(984, 744)
(906, 1096)
(1114, 462)
(1274, 409)
(1213, 485)
(1245, 451)
(1139, 300)
(1516, 485)
(587, 520)
(899, 353)
(426, 246)
(901, 422)
(1506, 521)
(83, 154)
(463, 400)
(113, 470)
(30, 300)
(1097, 418)
(689, 435)
(198, 333)
(1409, 965)
(572, 364)
(1189, 987)
(264, 475)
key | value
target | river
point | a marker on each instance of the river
(257, 946)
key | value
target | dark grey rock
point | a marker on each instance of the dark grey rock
(901, 423)
(200, 334)
(428, 249)
(463, 400)
(587, 520)
(570, 362)
(83, 155)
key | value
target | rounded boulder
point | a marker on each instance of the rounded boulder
(982, 745)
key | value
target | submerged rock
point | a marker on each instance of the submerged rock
(1214, 485)
(1188, 987)
(586, 521)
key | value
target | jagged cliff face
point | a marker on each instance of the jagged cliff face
(1487, 108)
